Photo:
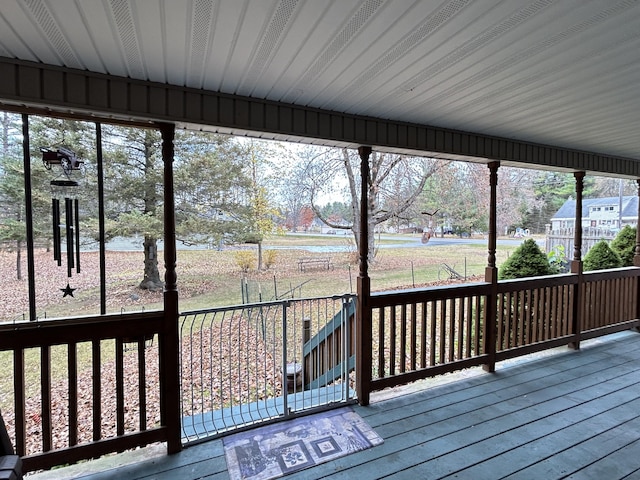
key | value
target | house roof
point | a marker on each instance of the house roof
(568, 209)
(559, 73)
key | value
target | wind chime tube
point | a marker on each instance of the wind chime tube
(68, 210)
(77, 230)
(55, 220)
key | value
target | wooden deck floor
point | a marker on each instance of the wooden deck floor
(562, 414)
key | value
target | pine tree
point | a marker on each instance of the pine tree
(625, 245)
(601, 257)
(526, 261)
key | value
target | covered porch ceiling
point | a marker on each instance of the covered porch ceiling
(558, 73)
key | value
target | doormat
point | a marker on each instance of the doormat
(276, 450)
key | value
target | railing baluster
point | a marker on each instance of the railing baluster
(524, 324)
(583, 306)
(142, 384)
(97, 390)
(542, 319)
(452, 328)
(538, 296)
(72, 368)
(589, 306)
(381, 342)
(45, 392)
(556, 299)
(477, 323)
(551, 311)
(513, 307)
(432, 332)
(460, 326)
(568, 311)
(443, 330)
(413, 337)
(119, 345)
(393, 340)
(469, 327)
(403, 338)
(502, 313)
(423, 335)
(620, 286)
(19, 405)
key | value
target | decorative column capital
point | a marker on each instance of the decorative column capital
(577, 230)
(364, 152)
(493, 206)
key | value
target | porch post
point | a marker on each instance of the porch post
(363, 313)
(169, 362)
(491, 273)
(576, 263)
(636, 254)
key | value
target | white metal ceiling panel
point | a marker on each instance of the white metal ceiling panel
(160, 39)
(22, 38)
(99, 23)
(559, 72)
(72, 24)
(252, 26)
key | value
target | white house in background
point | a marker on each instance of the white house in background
(598, 213)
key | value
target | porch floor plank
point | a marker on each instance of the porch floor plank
(559, 414)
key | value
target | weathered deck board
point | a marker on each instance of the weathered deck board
(564, 414)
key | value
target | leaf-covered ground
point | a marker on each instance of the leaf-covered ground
(199, 272)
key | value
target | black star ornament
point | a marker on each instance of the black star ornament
(67, 291)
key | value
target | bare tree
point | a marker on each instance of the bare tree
(394, 184)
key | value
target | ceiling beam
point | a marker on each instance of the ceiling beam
(90, 95)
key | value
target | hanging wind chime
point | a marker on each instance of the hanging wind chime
(63, 189)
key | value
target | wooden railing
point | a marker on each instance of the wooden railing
(609, 301)
(421, 333)
(534, 314)
(82, 387)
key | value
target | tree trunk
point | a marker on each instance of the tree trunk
(151, 279)
(260, 256)
(18, 260)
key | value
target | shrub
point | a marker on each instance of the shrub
(625, 245)
(526, 261)
(269, 257)
(600, 256)
(245, 259)
(558, 261)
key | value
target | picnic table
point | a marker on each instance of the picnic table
(306, 262)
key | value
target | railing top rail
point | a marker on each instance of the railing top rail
(611, 273)
(530, 283)
(245, 306)
(79, 320)
(397, 297)
(81, 329)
